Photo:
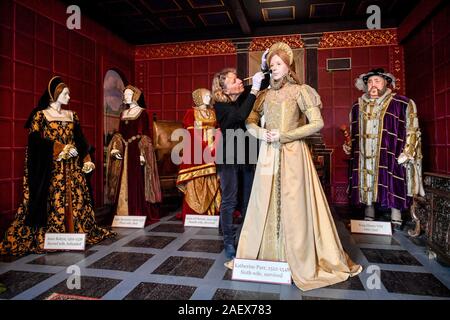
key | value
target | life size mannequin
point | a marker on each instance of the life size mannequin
(385, 148)
(198, 181)
(132, 177)
(288, 217)
(56, 196)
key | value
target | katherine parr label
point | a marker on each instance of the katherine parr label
(261, 271)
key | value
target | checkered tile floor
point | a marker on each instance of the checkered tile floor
(168, 261)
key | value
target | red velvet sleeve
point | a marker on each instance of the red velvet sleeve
(189, 118)
(120, 123)
(145, 126)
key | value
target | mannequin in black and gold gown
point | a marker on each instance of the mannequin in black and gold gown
(56, 197)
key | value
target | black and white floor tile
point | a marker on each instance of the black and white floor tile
(167, 261)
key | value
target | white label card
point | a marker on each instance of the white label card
(371, 227)
(137, 222)
(202, 221)
(65, 241)
(262, 271)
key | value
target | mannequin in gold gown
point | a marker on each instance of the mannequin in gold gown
(288, 217)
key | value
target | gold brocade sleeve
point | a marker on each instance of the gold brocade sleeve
(413, 152)
(87, 158)
(412, 131)
(310, 104)
(36, 122)
(116, 144)
(58, 147)
(258, 108)
(113, 167)
(252, 122)
(36, 125)
(152, 184)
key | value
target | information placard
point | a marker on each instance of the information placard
(202, 221)
(261, 271)
(371, 227)
(65, 241)
(136, 222)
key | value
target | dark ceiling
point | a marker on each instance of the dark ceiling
(161, 21)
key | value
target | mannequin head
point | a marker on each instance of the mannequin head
(278, 66)
(281, 62)
(202, 97)
(64, 97)
(128, 96)
(376, 86)
(375, 82)
(207, 98)
(56, 93)
(133, 96)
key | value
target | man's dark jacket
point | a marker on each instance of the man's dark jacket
(231, 116)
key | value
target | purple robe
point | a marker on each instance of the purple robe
(392, 183)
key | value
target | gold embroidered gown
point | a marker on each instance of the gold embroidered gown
(288, 218)
(69, 202)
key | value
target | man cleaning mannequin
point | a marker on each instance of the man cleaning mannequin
(385, 148)
(233, 104)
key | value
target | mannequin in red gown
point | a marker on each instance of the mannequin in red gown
(133, 181)
(199, 181)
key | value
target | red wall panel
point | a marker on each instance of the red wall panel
(168, 83)
(35, 44)
(427, 60)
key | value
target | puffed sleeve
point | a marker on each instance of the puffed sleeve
(35, 129)
(252, 122)
(189, 118)
(412, 131)
(309, 102)
(36, 123)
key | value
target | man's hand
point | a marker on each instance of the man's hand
(142, 160)
(257, 80)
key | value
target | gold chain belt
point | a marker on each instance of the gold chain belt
(133, 138)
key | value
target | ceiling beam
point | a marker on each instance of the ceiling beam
(235, 33)
(240, 15)
(311, 28)
(146, 11)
